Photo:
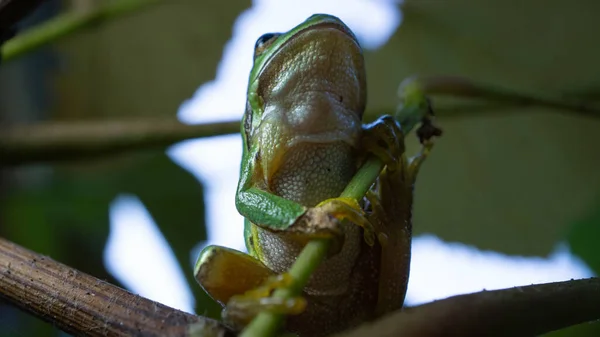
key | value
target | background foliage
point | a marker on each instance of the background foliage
(516, 181)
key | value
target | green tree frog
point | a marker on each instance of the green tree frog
(303, 142)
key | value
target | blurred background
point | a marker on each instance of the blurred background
(508, 197)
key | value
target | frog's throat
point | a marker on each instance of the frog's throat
(277, 141)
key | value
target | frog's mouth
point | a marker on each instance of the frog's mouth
(302, 37)
(313, 87)
(324, 22)
(315, 84)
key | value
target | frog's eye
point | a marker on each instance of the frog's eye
(264, 42)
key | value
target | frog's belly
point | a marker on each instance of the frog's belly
(341, 293)
(343, 290)
(311, 173)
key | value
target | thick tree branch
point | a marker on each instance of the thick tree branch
(60, 141)
(519, 311)
(85, 306)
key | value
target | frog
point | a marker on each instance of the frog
(303, 141)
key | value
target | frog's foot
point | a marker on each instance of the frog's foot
(349, 209)
(241, 309)
(385, 139)
(242, 284)
(390, 213)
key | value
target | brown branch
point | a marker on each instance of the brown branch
(85, 306)
(498, 109)
(458, 86)
(59, 141)
(76, 140)
(519, 311)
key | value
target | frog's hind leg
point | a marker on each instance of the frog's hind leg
(387, 200)
(224, 272)
(391, 206)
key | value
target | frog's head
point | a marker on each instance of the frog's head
(309, 82)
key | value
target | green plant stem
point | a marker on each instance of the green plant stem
(66, 24)
(267, 323)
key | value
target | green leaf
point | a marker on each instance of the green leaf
(65, 216)
(583, 239)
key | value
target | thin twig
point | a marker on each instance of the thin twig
(59, 141)
(469, 109)
(85, 306)
(520, 311)
(457, 86)
(66, 24)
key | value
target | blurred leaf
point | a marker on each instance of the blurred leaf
(583, 238)
(68, 212)
(147, 64)
(15, 323)
(512, 180)
(144, 65)
(589, 329)
(174, 199)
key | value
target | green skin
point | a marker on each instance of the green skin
(303, 141)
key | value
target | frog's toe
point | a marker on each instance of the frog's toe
(379, 218)
(414, 162)
(349, 209)
(241, 309)
(385, 139)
